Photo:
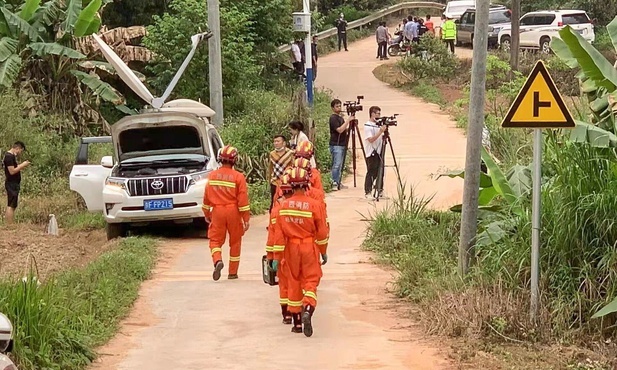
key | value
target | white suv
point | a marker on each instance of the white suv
(162, 163)
(538, 28)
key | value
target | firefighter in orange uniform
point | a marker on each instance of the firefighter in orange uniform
(273, 251)
(304, 235)
(226, 208)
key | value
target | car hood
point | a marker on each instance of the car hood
(159, 133)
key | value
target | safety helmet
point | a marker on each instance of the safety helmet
(298, 177)
(302, 163)
(285, 185)
(228, 154)
(305, 150)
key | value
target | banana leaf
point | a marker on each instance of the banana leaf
(612, 32)
(19, 26)
(593, 135)
(43, 49)
(8, 47)
(27, 11)
(9, 70)
(86, 17)
(100, 88)
(73, 9)
(608, 309)
(500, 182)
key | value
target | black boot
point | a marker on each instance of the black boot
(307, 314)
(218, 266)
(297, 328)
(286, 315)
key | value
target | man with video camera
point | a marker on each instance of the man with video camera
(372, 145)
(339, 137)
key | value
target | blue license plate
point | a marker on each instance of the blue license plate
(158, 204)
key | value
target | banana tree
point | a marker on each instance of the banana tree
(598, 79)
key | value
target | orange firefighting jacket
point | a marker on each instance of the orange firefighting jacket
(226, 187)
(301, 219)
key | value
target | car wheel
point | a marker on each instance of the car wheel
(506, 43)
(545, 45)
(115, 231)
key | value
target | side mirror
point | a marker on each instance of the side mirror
(107, 161)
(456, 21)
(6, 334)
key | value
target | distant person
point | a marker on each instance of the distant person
(339, 137)
(341, 27)
(381, 36)
(422, 29)
(296, 58)
(12, 178)
(280, 158)
(299, 136)
(314, 56)
(448, 33)
(429, 24)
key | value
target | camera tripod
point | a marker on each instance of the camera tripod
(378, 188)
(355, 133)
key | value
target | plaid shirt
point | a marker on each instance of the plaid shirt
(279, 161)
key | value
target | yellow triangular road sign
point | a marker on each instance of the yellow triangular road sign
(539, 104)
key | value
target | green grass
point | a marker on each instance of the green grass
(428, 92)
(59, 324)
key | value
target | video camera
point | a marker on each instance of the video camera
(388, 121)
(353, 106)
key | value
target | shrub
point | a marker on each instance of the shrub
(439, 64)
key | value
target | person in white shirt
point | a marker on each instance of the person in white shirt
(296, 57)
(373, 142)
(298, 136)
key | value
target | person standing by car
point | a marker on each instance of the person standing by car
(448, 33)
(339, 136)
(226, 208)
(12, 178)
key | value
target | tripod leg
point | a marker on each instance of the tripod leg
(398, 174)
(378, 189)
(353, 156)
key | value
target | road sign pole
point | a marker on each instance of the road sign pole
(536, 220)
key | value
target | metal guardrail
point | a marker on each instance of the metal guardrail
(378, 14)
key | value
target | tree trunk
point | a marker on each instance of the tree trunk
(515, 35)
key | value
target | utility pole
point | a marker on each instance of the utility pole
(308, 51)
(469, 222)
(215, 67)
(515, 35)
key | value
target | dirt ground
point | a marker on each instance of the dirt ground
(23, 245)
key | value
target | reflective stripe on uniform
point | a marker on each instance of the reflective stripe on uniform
(234, 259)
(214, 250)
(310, 294)
(284, 301)
(273, 221)
(206, 207)
(269, 248)
(244, 208)
(322, 242)
(293, 212)
(294, 303)
(278, 248)
(227, 184)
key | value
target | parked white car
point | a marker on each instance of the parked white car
(455, 8)
(161, 158)
(158, 171)
(538, 28)
(6, 343)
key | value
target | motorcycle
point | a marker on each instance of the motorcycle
(400, 48)
(6, 343)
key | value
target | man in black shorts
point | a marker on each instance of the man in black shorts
(12, 175)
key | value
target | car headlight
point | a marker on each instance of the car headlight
(112, 181)
(199, 177)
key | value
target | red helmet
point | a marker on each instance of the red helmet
(302, 163)
(298, 177)
(285, 185)
(305, 150)
(228, 153)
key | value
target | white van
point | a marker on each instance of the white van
(456, 8)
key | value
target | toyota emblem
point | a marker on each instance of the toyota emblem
(157, 184)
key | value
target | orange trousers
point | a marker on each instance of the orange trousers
(226, 219)
(283, 297)
(302, 269)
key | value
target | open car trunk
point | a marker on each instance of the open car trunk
(159, 133)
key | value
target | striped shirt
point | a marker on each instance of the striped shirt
(279, 161)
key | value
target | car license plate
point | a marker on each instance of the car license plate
(158, 204)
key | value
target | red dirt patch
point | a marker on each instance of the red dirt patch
(23, 244)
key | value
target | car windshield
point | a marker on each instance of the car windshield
(167, 158)
(499, 17)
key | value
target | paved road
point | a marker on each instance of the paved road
(185, 320)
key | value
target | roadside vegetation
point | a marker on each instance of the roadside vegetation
(578, 282)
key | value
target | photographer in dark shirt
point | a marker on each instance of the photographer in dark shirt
(339, 137)
(12, 175)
